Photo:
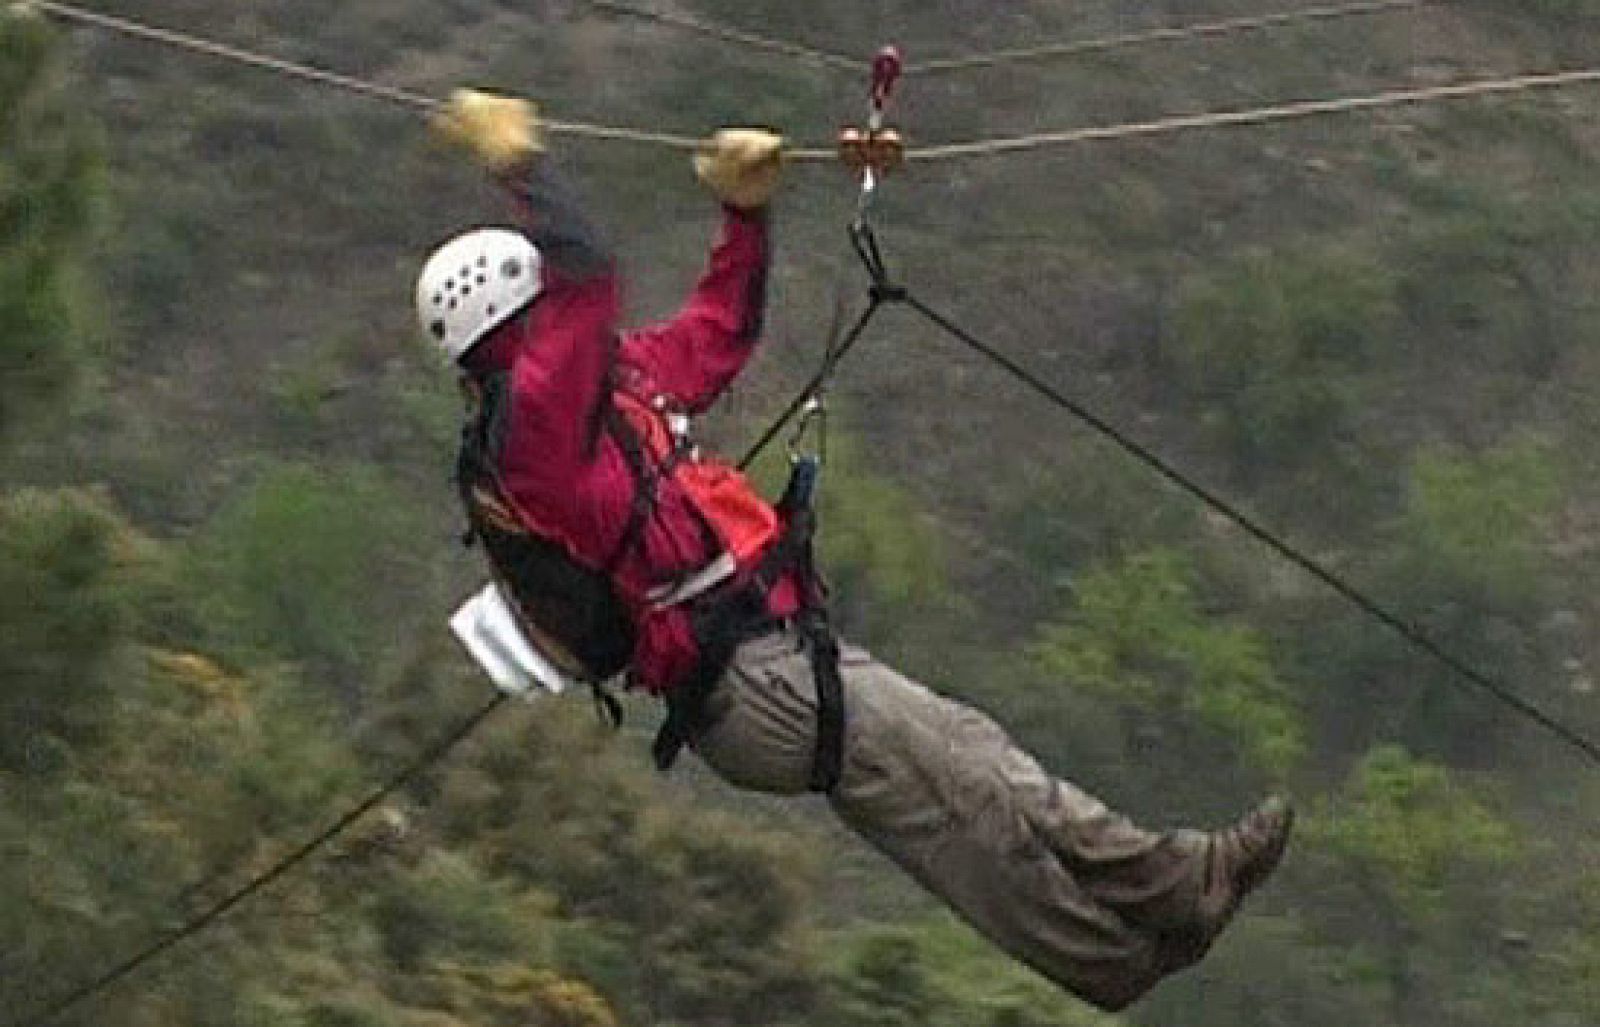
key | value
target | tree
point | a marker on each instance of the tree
(1467, 561)
(1410, 856)
(315, 564)
(64, 614)
(1135, 632)
(49, 188)
(1271, 351)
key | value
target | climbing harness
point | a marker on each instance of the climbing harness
(872, 154)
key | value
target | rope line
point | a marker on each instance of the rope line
(363, 87)
(1262, 115)
(731, 35)
(168, 37)
(429, 756)
(986, 147)
(1168, 34)
(1414, 635)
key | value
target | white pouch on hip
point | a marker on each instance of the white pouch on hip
(488, 628)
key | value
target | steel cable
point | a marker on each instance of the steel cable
(423, 761)
(363, 87)
(737, 36)
(1412, 634)
(1167, 34)
(1261, 115)
(948, 151)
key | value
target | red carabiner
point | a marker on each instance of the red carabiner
(886, 68)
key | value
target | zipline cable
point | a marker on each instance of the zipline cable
(987, 147)
(1162, 126)
(731, 35)
(1411, 633)
(183, 40)
(363, 87)
(426, 759)
(1168, 34)
(1071, 48)
(1261, 115)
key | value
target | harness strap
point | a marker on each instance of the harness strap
(694, 585)
(823, 647)
(645, 481)
(725, 620)
(647, 476)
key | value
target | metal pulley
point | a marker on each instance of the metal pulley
(872, 153)
(882, 151)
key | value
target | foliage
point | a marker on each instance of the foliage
(1417, 855)
(937, 972)
(63, 613)
(1468, 561)
(1272, 348)
(1412, 830)
(1474, 526)
(315, 564)
(49, 184)
(1136, 633)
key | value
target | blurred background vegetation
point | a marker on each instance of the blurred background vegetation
(227, 541)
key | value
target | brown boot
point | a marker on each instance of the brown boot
(1238, 859)
(1247, 853)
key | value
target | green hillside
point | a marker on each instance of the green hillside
(228, 542)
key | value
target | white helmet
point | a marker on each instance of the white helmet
(473, 284)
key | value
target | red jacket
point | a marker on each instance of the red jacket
(571, 482)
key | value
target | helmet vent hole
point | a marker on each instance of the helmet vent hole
(453, 304)
(483, 280)
(511, 269)
(491, 310)
(437, 328)
(483, 261)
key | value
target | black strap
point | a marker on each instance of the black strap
(726, 618)
(644, 484)
(721, 621)
(606, 705)
(823, 647)
(647, 477)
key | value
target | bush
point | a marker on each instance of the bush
(1272, 352)
(49, 190)
(318, 565)
(64, 611)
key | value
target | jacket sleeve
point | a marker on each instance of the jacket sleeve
(696, 354)
(562, 364)
(571, 247)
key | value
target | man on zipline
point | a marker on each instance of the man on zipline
(622, 547)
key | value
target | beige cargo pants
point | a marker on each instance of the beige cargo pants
(1041, 868)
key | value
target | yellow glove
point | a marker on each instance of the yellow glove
(500, 131)
(741, 165)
